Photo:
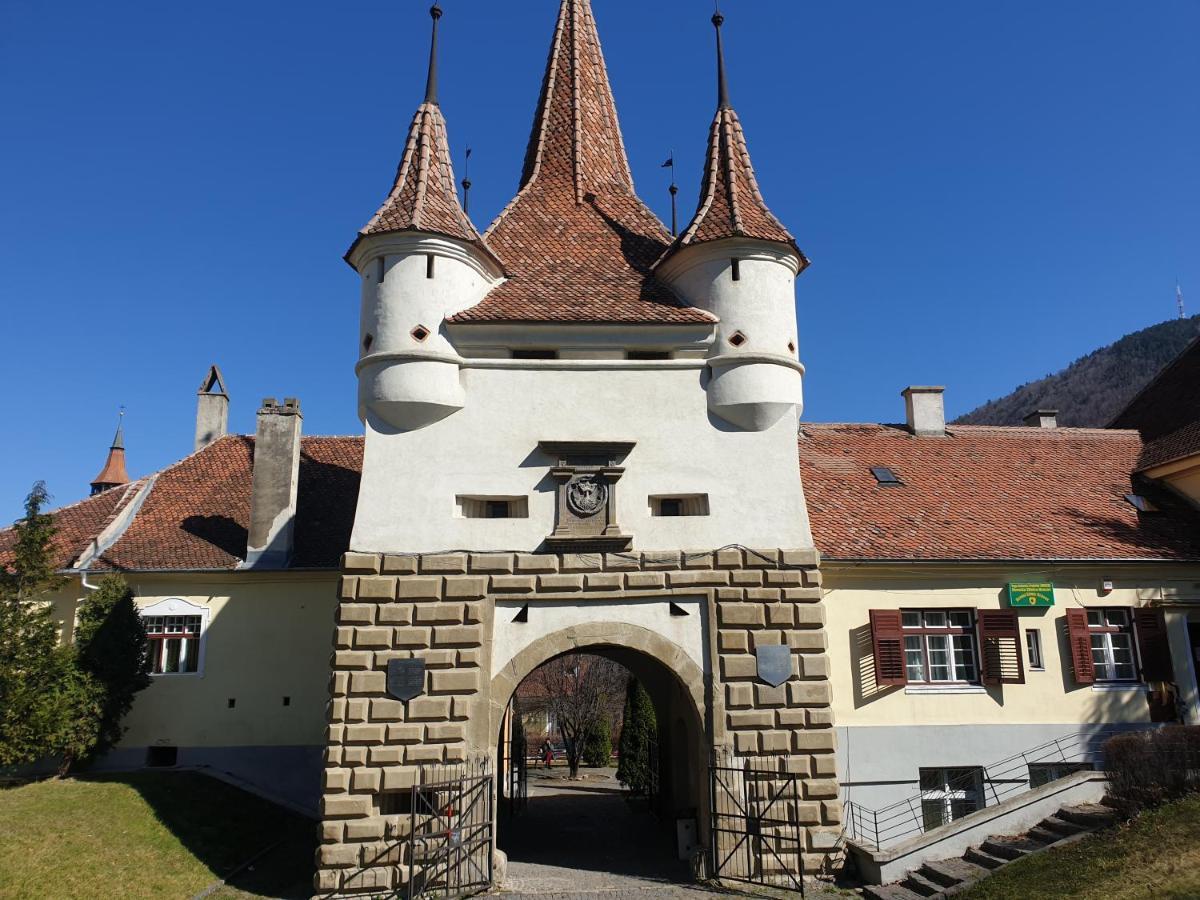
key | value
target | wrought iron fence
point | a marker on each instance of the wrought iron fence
(966, 789)
(756, 835)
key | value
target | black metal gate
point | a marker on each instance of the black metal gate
(756, 835)
(451, 834)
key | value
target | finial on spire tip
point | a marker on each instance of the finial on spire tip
(722, 83)
(431, 85)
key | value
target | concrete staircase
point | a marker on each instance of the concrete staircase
(935, 878)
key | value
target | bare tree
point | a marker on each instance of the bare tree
(578, 690)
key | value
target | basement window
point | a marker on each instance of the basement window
(535, 354)
(161, 757)
(679, 505)
(477, 507)
(949, 794)
(886, 477)
(1044, 773)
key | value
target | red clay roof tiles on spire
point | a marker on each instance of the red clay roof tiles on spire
(577, 242)
(423, 197)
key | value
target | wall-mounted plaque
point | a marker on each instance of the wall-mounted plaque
(587, 473)
(406, 678)
(774, 663)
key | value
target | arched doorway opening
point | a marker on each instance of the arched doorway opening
(569, 831)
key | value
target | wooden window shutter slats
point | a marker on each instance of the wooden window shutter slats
(1000, 652)
(1151, 627)
(887, 640)
(1080, 643)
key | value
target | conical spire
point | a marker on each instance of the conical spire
(576, 137)
(113, 474)
(731, 204)
(424, 196)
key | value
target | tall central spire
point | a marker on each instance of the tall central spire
(431, 82)
(576, 136)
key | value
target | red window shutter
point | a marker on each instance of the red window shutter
(1000, 651)
(1081, 646)
(1151, 626)
(887, 638)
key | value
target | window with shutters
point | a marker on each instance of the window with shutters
(950, 793)
(1110, 633)
(939, 646)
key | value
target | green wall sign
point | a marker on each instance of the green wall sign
(1029, 593)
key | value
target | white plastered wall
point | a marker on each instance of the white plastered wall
(489, 448)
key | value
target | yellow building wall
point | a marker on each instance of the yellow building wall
(269, 636)
(1049, 696)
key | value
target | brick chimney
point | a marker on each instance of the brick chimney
(212, 409)
(1042, 418)
(925, 410)
(276, 479)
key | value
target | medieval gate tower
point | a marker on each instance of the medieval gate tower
(580, 434)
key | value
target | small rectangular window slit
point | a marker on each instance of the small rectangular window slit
(679, 505)
(736, 265)
(429, 265)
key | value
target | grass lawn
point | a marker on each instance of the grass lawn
(1157, 855)
(147, 834)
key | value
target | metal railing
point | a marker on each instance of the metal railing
(975, 788)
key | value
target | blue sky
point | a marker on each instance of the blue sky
(986, 190)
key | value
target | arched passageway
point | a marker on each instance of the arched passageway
(571, 834)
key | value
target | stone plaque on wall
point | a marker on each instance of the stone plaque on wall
(587, 473)
(406, 678)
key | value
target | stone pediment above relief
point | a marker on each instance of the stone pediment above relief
(587, 473)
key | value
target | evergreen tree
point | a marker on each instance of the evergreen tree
(44, 697)
(639, 733)
(112, 650)
(597, 748)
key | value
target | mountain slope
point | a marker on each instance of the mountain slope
(1094, 388)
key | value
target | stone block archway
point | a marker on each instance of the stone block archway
(482, 622)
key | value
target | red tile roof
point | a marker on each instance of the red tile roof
(984, 493)
(424, 196)
(576, 241)
(731, 203)
(981, 493)
(1167, 411)
(78, 524)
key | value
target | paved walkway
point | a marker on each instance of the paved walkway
(582, 841)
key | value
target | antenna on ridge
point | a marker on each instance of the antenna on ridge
(1179, 299)
(466, 183)
(674, 190)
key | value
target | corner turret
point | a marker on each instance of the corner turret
(737, 261)
(113, 474)
(420, 260)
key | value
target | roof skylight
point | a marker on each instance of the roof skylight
(886, 477)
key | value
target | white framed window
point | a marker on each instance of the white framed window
(1033, 649)
(176, 632)
(939, 646)
(950, 793)
(1111, 634)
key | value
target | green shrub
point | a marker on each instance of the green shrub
(638, 735)
(597, 747)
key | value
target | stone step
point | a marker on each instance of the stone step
(889, 892)
(1061, 826)
(1088, 815)
(919, 884)
(949, 872)
(1009, 848)
(981, 857)
(1044, 835)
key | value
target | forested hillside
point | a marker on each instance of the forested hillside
(1094, 388)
